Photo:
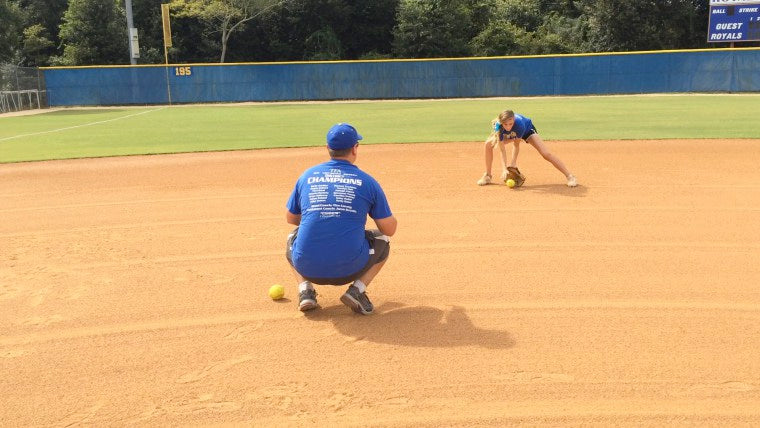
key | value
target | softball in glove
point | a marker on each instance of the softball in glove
(515, 174)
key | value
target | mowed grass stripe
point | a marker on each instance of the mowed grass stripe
(69, 127)
(192, 128)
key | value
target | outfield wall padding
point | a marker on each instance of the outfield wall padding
(724, 70)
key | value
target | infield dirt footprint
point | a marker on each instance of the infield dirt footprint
(12, 353)
(279, 396)
(243, 332)
(214, 368)
(39, 322)
(724, 388)
(338, 400)
(204, 402)
(83, 417)
(534, 377)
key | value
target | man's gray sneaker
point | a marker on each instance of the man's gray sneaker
(307, 300)
(358, 302)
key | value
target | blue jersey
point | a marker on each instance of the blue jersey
(521, 129)
(334, 199)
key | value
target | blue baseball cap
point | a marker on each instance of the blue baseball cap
(342, 136)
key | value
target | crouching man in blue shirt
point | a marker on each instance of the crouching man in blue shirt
(329, 205)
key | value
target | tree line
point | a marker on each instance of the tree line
(94, 32)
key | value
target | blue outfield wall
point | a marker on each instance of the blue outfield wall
(715, 70)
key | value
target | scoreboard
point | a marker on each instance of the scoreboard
(734, 21)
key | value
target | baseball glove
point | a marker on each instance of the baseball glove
(515, 174)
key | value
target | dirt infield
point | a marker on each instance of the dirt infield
(133, 291)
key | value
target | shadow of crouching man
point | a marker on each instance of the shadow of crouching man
(417, 326)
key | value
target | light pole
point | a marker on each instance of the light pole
(134, 46)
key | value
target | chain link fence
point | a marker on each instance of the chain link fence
(21, 88)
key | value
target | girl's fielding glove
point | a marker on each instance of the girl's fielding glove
(515, 174)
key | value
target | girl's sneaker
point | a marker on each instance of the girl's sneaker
(485, 179)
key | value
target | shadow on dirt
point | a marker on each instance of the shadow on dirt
(553, 189)
(422, 326)
(556, 189)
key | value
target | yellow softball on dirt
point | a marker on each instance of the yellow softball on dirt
(510, 183)
(276, 292)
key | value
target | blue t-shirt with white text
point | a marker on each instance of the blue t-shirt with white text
(334, 199)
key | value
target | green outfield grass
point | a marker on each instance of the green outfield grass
(75, 133)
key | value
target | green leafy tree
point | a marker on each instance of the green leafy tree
(37, 47)
(303, 30)
(370, 30)
(624, 25)
(559, 34)
(222, 16)
(324, 24)
(42, 21)
(276, 36)
(432, 28)
(93, 32)
(687, 25)
(323, 45)
(42, 32)
(358, 26)
(526, 28)
(191, 42)
(565, 8)
(10, 25)
(525, 14)
(499, 38)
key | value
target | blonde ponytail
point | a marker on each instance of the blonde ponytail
(493, 138)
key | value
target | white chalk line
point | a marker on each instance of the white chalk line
(80, 126)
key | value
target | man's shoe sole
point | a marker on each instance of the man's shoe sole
(307, 305)
(354, 304)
